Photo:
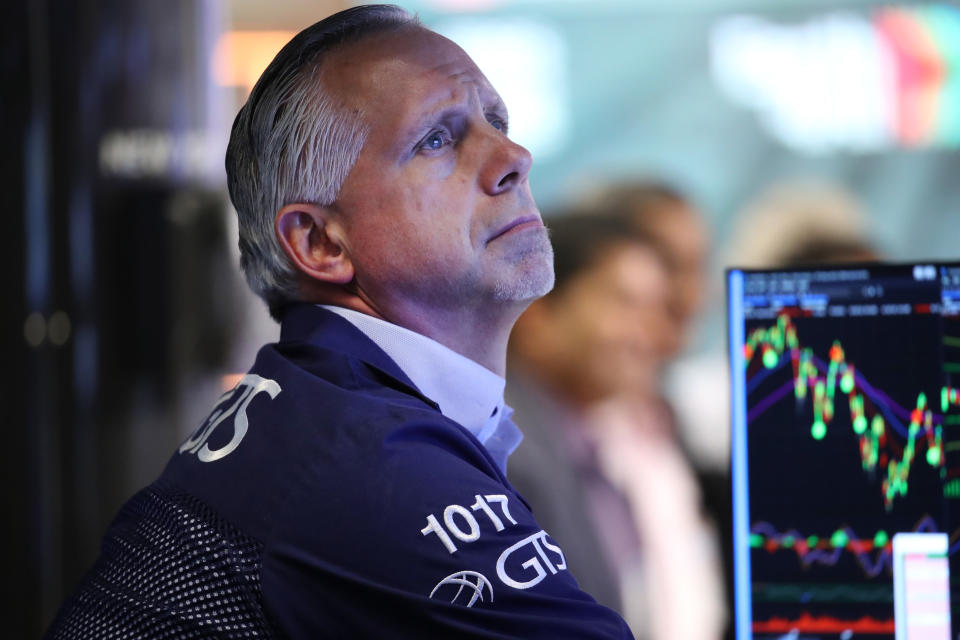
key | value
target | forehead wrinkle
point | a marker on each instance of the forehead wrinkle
(485, 92)
(448, 101)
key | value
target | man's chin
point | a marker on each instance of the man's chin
(533, 281)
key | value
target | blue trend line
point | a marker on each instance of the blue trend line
(769, 401)
(764, 373)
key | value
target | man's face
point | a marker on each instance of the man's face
(437, 210)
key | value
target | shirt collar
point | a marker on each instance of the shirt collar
(467, 392)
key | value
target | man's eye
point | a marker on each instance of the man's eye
(434, 141)
(499, 124)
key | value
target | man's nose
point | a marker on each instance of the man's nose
(507, 165)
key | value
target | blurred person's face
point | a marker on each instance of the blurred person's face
(607, 327)
(680, 231)
(437, 210)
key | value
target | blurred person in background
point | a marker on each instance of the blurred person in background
(585, 363)
(352, 484)
(677, 229)
(679, 232)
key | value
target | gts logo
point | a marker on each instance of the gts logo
(234, 404)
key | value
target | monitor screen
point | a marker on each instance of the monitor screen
(846, 451)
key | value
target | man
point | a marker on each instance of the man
(673, 224)
(352, 485)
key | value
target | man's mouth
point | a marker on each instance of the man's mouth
(517, 224)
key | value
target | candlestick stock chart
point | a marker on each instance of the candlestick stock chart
(849, 420)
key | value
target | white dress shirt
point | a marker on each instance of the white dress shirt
(466, 392)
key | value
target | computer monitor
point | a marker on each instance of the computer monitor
(846, 451)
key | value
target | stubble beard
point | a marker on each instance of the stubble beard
(533, 276)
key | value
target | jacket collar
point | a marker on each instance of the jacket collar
(309, 323)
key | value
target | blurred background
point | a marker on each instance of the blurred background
(124, 311)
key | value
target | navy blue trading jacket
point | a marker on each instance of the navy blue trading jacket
(369, 514)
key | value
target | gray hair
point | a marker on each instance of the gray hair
(293, 141)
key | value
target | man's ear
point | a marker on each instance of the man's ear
(312, 238)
